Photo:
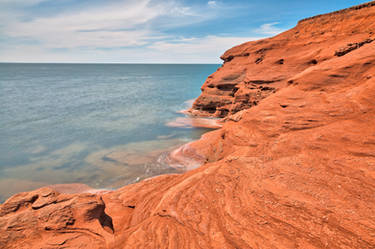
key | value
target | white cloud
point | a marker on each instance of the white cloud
(117, 31)
(94, 27)
(213, 45)
(206, 49)
(269, 29)
(126, 23)
(211, 4)
(18, 3)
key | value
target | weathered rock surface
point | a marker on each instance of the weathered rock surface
(296, 170)
(256, 70)
(47, 219)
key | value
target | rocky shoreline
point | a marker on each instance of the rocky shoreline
(293, 165)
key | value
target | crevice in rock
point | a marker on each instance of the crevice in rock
(351, 46)
(266, 88)
(337, 75)
(106, 222)
(98, 212)
(235, 89)
(258, 82)
(226, 87)
(228, 59)
(259, 60)
(209, 109)
(224, 112)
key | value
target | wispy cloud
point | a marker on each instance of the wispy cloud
(113, 25)
(183, 50)
(212, 4)
(19, 3)
(117, 31)
(125, 23)
(269, 29)
(209, 46)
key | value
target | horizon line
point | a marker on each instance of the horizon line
(123, 63)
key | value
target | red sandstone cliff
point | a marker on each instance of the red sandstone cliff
(255, 70)
(292, 167)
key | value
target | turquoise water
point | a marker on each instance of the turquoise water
(98, 124)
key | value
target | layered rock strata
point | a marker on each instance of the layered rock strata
(255, 70)
(292, 167)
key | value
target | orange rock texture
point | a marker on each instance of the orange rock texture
(292, 167)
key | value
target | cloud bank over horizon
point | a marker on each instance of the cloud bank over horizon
(135, 31)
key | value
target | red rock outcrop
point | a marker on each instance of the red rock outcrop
(47, 219)
(255, 70)
(294, 170)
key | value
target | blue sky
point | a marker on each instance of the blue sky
(143, 31)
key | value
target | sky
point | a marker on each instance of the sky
(143, 31)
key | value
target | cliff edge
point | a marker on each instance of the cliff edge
(255, 70)
(292, 167)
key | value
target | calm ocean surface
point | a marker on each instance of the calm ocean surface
(98, 124)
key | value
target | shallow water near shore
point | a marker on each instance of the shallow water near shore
(97, 124)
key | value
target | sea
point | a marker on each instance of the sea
(103, 125)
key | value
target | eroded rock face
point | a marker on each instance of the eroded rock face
(47, 219)
(296, 170)
(255, 70)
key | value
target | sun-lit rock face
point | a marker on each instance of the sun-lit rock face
(45, 218)
(256, 70)
(294, 170)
